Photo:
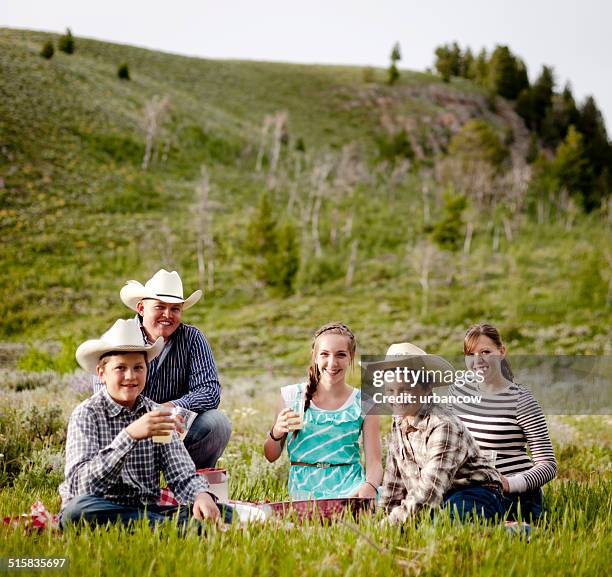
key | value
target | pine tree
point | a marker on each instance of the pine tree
(524, 107)
(507, 74)
(456, 60)
(396, 56)
(541, 97)
(274, 249)
(449, 61)
(448, 231)
(591, 125)
(467, 65)
(569, 110)
(443, 63)
(481, 68)
(66, 42)
(572, 171)
(287, 259)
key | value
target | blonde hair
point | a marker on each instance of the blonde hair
(334, 328)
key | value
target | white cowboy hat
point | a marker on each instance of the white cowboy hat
(411, 356)
(124, 336)
(163, 286)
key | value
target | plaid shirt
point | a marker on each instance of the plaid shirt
(103, 460)
(185, 372)
(429, 459)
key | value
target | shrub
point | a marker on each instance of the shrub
(123, 72)
(395, 146)
(44, 469)
(23, 433)
(47, 50)
(24, 380)
(66, 42)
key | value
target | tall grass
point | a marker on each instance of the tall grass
(573, 537)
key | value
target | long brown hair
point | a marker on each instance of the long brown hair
(334, 328)
(487, 330)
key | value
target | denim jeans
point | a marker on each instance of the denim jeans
(207, 438)
(96, 510)
(475, 501)
(531, 505)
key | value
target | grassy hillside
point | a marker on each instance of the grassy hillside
(79, 216)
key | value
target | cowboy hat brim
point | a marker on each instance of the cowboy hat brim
(133, 292)
(89, 353)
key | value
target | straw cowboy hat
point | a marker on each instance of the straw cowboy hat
(124, 336)
(163, 286)
(410, 356)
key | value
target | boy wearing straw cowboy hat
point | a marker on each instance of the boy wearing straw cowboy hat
(432, 460)
(184, 374)
(112, 465)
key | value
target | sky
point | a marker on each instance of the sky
(572, 36)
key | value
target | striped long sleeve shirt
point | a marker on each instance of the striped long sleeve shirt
(506, 423)
(102, 459)
(184, 373)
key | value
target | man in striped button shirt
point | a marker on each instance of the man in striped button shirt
(433, 460)
(185, 373)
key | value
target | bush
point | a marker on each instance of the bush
(44, 469)
(24, 380)
(395, 146)
(66, 42)
(123, 72)
(47, 50)
(23, 433)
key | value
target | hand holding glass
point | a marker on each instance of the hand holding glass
(295, 401)
(183, 418)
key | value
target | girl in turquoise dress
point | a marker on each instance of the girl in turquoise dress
(324, 454)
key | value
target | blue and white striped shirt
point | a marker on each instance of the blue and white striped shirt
(185, 372)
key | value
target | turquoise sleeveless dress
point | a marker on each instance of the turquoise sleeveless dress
(328, 437)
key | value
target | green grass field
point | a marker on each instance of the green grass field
(79, 216)
(574, 539)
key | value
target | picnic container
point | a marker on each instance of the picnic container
(217, 482)
(322, 508)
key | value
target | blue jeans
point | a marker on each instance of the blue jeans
(531, 505)
(475, 501)
(96, 510)
(207, 438)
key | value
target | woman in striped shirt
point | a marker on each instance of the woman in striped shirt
(506, 421)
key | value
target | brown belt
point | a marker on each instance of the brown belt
(319, 465)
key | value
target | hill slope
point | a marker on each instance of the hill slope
(79, 215)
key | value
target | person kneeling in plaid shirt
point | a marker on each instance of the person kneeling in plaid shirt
(112, 464)
(433, 461)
